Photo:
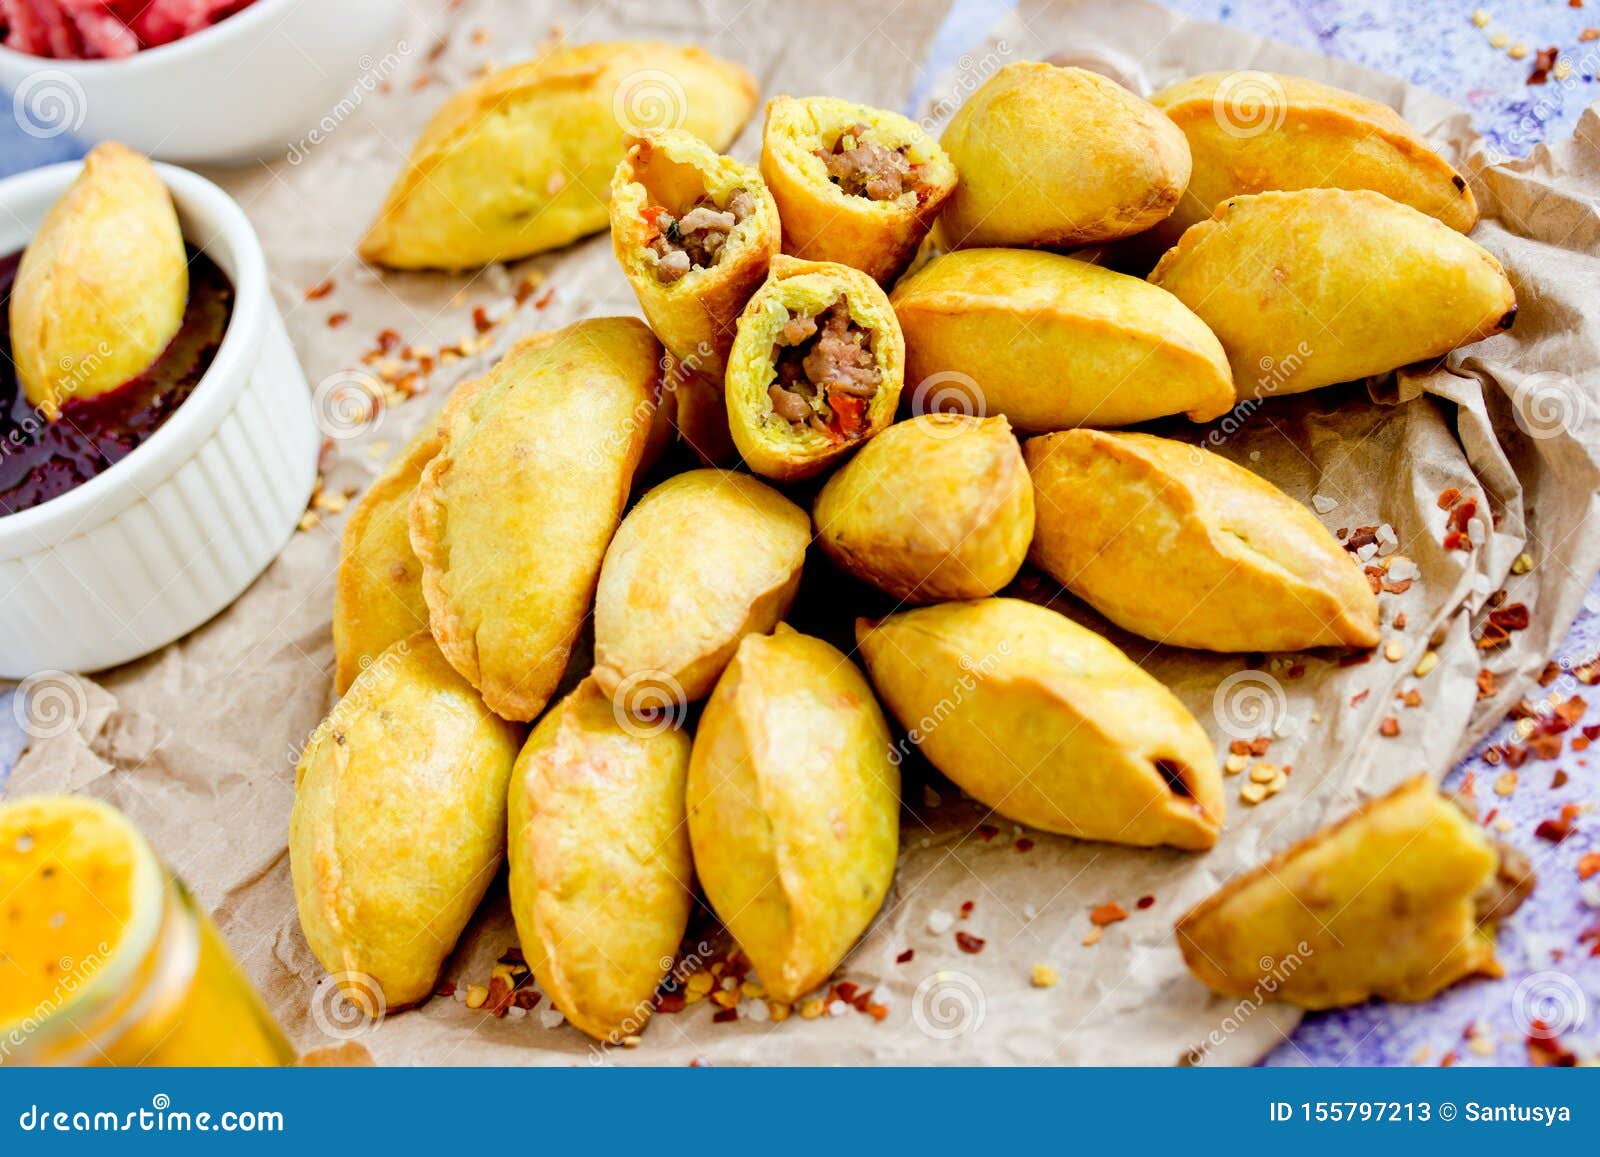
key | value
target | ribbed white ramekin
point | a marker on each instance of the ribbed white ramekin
(154, 546)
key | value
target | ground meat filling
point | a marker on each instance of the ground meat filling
(827, 376)
(695, 240)
(1514, 877)
(864, 168)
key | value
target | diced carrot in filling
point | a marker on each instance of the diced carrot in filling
(826, 374)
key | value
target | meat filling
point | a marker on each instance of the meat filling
(863, 168)
(1514, 877)
(697, 239)
(827, 376)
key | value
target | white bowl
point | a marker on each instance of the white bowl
(152, 547)
(254, 85)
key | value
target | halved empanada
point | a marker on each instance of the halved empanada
(855, 184)
(1398, 900)
(1180, 545)
(694, 232)
(519, 162)
(816, 369)
(1318, 286)
(1250, 132)
(513, 516)
(1047, 722)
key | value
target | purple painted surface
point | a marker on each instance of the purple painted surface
(1549, 974)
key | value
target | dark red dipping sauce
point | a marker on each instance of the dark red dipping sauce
(40, 460)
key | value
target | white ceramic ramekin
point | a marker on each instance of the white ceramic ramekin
(151, 548)
(250, 86)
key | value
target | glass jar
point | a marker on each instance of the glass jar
(160, 987)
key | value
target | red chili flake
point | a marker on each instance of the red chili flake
(1108, 913)
(1516, 755)
(1298, 670)
(1389, 727)
(1572, 710)
(1546, 1052)
(846, 991)
(1588, 865)
(1489, 819)
(1589, 34)
(1455, 540)
(1412, 698)
(320, 290)
(906, 956)
(1559, 779)
(1400, 619)
(1144, 902)
(1558, 829)
(966, 908)
(1024, 844)
(499, 998)
(481, 322)
(1355, 700)
(987, 832)
(525, 289)
(1260, 745)
(1551, 672)
(1448, 1059)
(445, 988)
(1361, 536)
(525, 998)
(1543, 62)
(421, 82)
(1545, 746)
(335, 320)
(1461, 515)
(1579, 743)
(1512, 618)
(387, 340)
(1239, 747)
(1486, 683)
(1448, 497)
(969, 943)
(877, 1011)
(724, 1015)
(545, 298)
(671, 1002)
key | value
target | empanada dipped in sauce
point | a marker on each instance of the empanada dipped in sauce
(1051, 341)
(1046, 722)
(520, 161)
(1317, 286)
(936, 507)
(601, 877)
(102, 287)
(704, 559)
(1251, 132)
(1398, 900)
(854, 184)
(1184, 547)
(694, 232)
(513, 515)
(377, 599)
(399, 822)
(794, 807)
(816, 368)
(1059, 158)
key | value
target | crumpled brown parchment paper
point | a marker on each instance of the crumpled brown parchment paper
(198, 742)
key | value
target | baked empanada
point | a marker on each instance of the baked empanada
(512, 517)
(399, 821)
(1059, 157)
(1180, 545)
(699, 411)
(1046, 722)
(1398, 900)
(1250, 132)
(519, 162)
(601, 878)
(377, 599)
(1051, 342)
(102, 286)
(694, 232)
(854, 184)
(794, 807)
(816, 368)
(702, 560)
(936, 507)
(1319, 286)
